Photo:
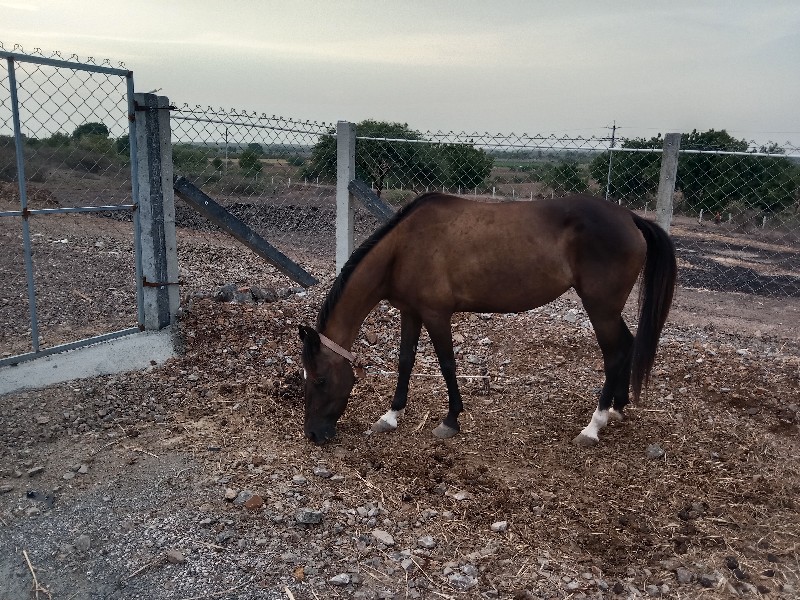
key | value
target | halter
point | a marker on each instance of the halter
(330, 344)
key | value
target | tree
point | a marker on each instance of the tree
(98, 129)
(123, 145)
(250, 162)
(708, 181)
(387, 160)
(565, 178)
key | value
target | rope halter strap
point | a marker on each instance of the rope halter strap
(330, 344)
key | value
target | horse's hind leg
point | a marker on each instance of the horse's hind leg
(410, 328)
(442, 338)
(616, 343)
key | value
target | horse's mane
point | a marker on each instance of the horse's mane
(337, 289)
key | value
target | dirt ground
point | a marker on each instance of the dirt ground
(192, 480)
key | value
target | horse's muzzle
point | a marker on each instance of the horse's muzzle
(321, 434)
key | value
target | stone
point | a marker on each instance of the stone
(308, 516)
(322, 471)
(68, 475)
(384, 537)
(499, 526)
(4, 489)
(683, 575)
(341, 579)
(254, 502)
(654, 451)
(242, 497)
(83, 469)
(299, 480)
(230, 494)
(462, 582)
(175, 557)
(83, 543)
(263, 294)
(34, 471)
(426, 542)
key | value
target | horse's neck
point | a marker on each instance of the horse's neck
(364, 289)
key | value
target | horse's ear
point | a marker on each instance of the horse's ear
(309, 337)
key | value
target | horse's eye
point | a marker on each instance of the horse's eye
(319, 381)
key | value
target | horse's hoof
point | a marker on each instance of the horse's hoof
(616, 415)
(381, 426)
(443, 431)
(584, 441)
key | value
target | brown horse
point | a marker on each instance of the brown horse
(442, 254)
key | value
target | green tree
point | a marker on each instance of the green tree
(98, 129)
(387, 160)
(710, 182)
(57, 140)
(565, 178)
(189, 159)
(250, 162)
(123, 145)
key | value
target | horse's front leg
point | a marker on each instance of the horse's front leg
(442, 338)
(410, 328)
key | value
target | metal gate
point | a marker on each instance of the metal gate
(67, 148)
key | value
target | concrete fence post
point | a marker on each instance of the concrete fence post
(666, 181)
(156, 208)
(345, 173)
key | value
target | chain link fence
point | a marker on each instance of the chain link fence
(254, 165)
(736, 204)
(72, 145)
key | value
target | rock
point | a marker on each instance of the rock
(322, 471)
(225, 293)
(426, 542)
(32, 472)
(653, 591)
(458, 495)
(683, 575)
(83, 543)
(4, 489)
(263, 294)
(707, 581)
(254, 502)
(654, 451)
(230, 494)
(340, 579)
(175, 557)
(242, 497)
(462, 582)
(308, 516)
(83, 469)
(499, 526)
(383, 537)
(299, 480)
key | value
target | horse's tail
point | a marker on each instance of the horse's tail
(655, 298)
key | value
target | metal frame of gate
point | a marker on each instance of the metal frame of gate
(25, 213)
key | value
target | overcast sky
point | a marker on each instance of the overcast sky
(536, 66)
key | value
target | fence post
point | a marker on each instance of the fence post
(156, 207)
(345, 173)
(666, 181)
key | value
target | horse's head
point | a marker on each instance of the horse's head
(329, 379)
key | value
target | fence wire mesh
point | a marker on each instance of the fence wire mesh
(736, 205)
(74, 142)
(255, 166)
(736, 216)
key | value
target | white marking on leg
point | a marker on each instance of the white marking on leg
(390, 418)
(599, 420)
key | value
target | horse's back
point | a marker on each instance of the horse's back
(506, 256)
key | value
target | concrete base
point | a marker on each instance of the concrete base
(129, 353)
